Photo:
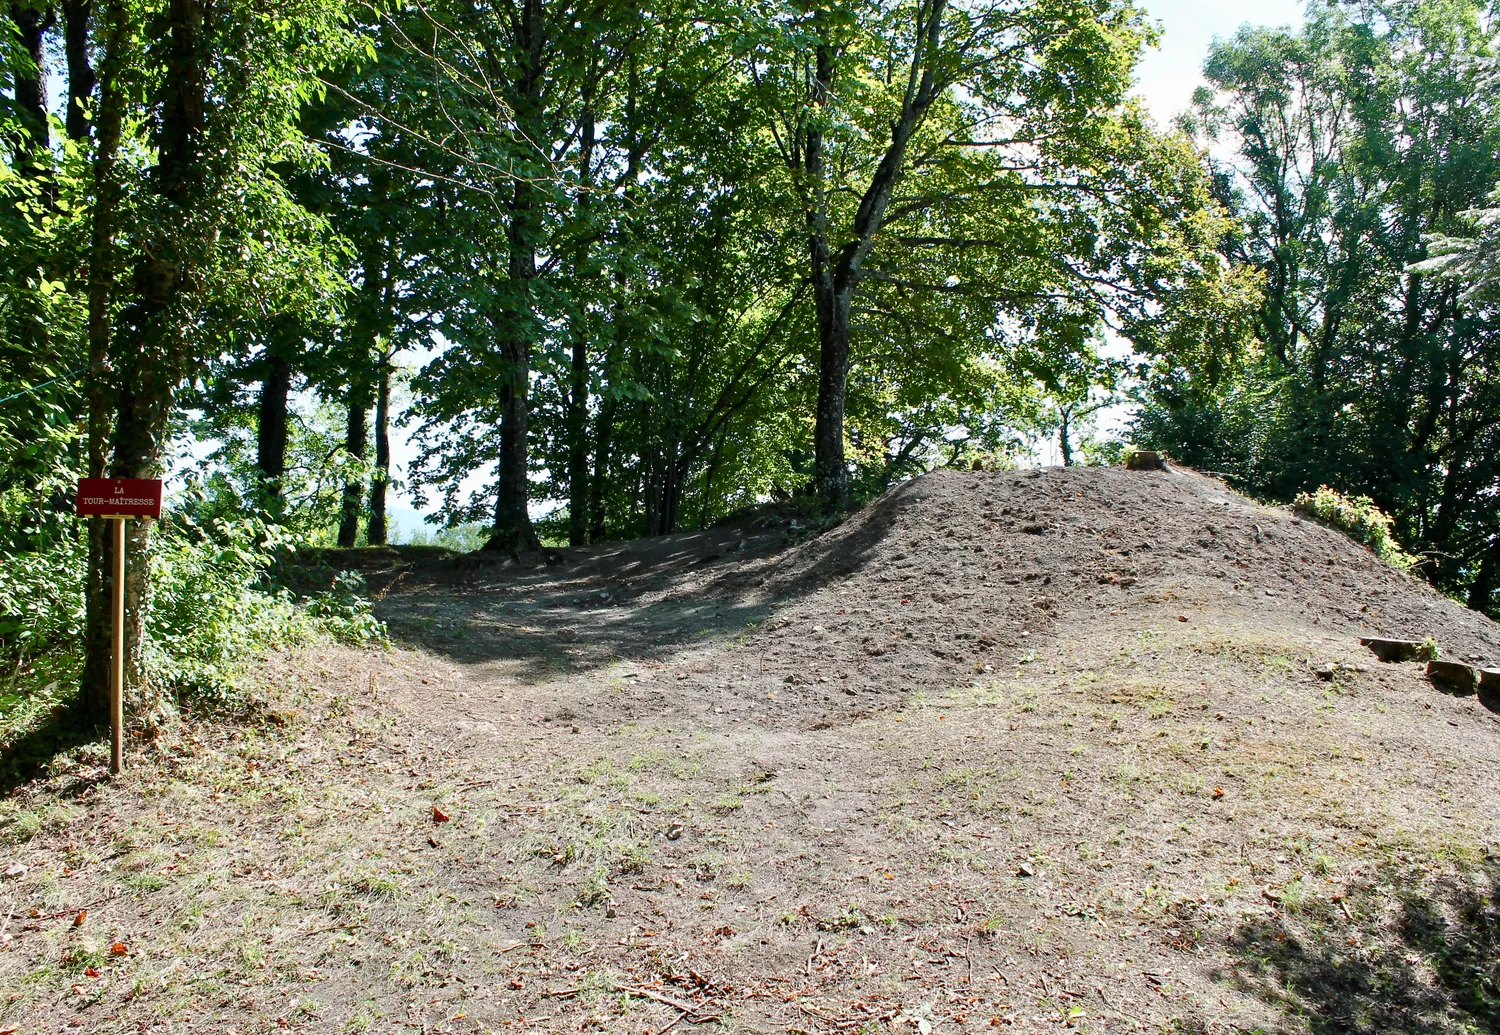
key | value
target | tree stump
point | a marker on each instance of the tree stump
(1489, 688)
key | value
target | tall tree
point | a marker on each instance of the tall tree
(209, 223)
(1354, 141)
(898, 123)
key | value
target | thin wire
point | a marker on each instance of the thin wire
(44, 384)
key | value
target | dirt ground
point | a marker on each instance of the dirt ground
(1023, 752)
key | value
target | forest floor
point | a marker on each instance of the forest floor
(1021, 752)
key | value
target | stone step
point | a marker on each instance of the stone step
(1145, 460)
(1453, 676)
(1489, 688)
(1392, 650)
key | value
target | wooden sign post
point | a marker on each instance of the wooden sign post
(118, 500)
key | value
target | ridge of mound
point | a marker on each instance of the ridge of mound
(943, 578)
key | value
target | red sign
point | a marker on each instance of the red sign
(119, 497)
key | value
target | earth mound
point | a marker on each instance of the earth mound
(946, 577)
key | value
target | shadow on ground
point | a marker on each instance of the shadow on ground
(637, 601)
(1406, 957)
(27, 756)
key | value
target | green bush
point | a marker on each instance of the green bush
(465, 538)
(213, 609)
(1359, 518)
(41, 627)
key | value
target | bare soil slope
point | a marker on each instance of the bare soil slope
(1019, 751)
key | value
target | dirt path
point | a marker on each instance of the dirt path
(1023, 752)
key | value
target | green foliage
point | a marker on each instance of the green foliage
(1361, 163)
(1360, 518)
(1470, 258)
(459, 538)
(213, 612)
(213, 609)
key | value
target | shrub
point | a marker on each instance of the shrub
(1358, 517)
(213, 608)
(41, 627)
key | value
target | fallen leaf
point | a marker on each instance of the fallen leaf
(119, 949)
(1218, 793)
(90, 972)
(439, 816)
(83, 914)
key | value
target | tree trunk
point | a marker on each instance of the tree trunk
(32, 141)
(149, 326)
(578, 443)
(1482, 591)
(271, 421)
(577, 415)
(354, 444)
(708, 480)
(650, 491)
(835, 277)
(598, 484)
(93, 691)
(829, 469)
(382, 474)
(81, 78)
(1064, 442)
(634, 511)
(513, 530)
(367, 335)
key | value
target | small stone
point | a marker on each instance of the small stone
(610, 909)
(1026, 870)
(674, 831)
(15, 871)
